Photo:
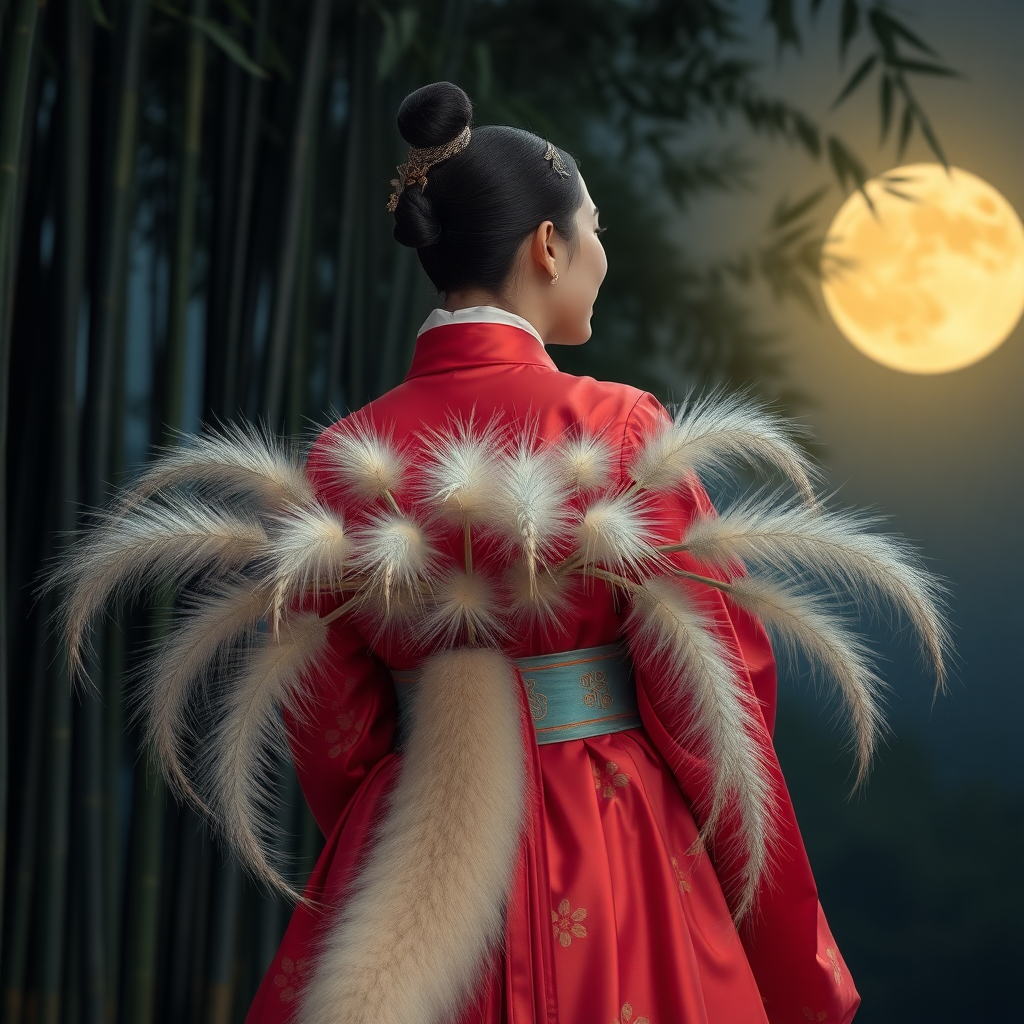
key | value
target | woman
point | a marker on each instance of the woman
(612, 911)
(521, 659)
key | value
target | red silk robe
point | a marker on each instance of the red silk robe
(616, 915)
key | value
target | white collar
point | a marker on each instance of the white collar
(478, 315)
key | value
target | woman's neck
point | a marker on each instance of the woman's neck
(466, 297)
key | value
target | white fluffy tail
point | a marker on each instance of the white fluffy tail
(427, 911)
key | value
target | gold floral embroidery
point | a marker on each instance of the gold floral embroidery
(537, 701)
(821, 1015)
(626, 1016)
(290, 980)
(597, 693)
(345, 736)
(566, 923)
(684, 885)
(834, 960)
(609, 779)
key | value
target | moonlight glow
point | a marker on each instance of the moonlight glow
(936, 281)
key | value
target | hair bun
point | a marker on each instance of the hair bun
(434, 114)
(415, 222)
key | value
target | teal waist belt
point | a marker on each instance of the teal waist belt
(572, 694)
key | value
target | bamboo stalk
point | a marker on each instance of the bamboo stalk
(233, 380)
(53, 904)
(149, 833)
(25, 859)
(185, 219)
(226, 82)
(312, 78)
(203, 901)
(142, 907)
(303, 333)
(224, 916)
(12, 125)
(352, 198)
(89, 867)
(108, 305)
(102, 433)
(367, 305)
(183, 915)
(94, 933)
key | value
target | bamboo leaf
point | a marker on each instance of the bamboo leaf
(782, 15)
(884, 35)
(808, 134)
(931, 138)
(855, 79)
(849, 25)
(901, 195)
(222, 37)
(898, 28)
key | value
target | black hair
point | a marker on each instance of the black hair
(478, 206)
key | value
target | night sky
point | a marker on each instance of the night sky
(940, 455)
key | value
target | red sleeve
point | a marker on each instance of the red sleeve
(347, 722)
(798, 967)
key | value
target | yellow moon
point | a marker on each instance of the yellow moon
(932, 282)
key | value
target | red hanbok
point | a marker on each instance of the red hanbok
(616, 915)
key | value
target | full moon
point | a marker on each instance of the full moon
(933, 280)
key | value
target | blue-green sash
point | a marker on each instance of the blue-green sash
(572, 694)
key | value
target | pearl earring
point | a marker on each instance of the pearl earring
(555, 278)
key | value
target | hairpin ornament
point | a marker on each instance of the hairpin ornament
(557, 163)
(414, 170)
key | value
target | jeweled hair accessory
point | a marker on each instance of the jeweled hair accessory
(557, 163)
(414, 170)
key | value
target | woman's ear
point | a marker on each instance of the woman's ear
(543, 254)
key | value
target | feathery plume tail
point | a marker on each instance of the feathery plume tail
(613, 531)
(396, 557)
(250, 736)
(674, 638)
(802, 621)
(185, 662)
(709, 433)
(464, 608)
(836, 546)
(308, 555)
(586, 462)
(243, 461)
(367, 461)
(530, 510)
(461, 471)
(169, 542)
(426, 912)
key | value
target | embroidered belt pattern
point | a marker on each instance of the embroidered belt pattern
(571, 694)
